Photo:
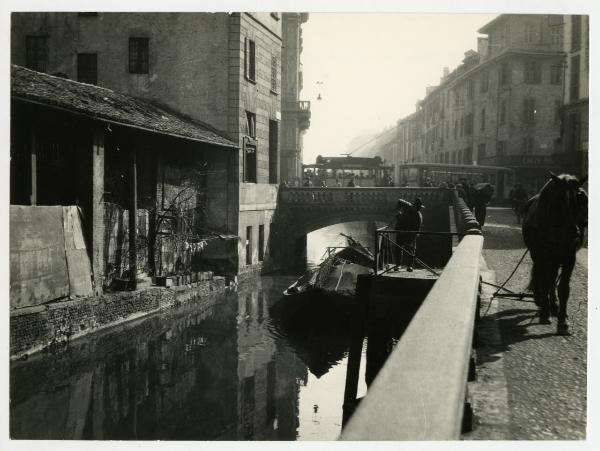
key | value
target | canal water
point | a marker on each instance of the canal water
(239, 367)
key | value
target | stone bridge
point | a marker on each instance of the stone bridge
(303, 210)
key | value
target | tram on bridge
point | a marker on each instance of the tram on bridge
(416, 174)
(338, 171)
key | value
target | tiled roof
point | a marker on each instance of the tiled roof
(107, 105)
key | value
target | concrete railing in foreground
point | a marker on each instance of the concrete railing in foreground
(419, 393)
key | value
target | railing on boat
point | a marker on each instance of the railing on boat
(386, 247)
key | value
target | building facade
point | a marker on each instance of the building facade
(223, 69)
(295, 114)
(575, 117)
(502, 105)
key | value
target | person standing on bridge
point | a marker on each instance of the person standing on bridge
(408, 218)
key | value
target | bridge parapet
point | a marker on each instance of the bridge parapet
(303, 210)
(354, 196)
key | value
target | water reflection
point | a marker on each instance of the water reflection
(233, 368)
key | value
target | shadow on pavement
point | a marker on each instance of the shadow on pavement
(515, 326)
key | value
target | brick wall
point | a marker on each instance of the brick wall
(55, 324)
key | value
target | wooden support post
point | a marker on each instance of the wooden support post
(33, 152)
(359, 319)
(97, 213)
(133, 221)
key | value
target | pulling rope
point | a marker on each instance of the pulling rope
(519, 295)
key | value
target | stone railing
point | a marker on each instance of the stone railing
(463, 217)
(419, 393)
(364, 196)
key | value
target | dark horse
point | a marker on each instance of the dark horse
(553, 229)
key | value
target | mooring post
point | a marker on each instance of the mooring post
(358, 327)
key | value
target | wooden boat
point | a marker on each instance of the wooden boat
(337, 273)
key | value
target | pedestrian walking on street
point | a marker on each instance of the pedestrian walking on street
(520, 199)
(482, 194)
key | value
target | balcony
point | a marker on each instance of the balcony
(301, 110)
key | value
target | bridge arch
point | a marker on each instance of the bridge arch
(304, 210)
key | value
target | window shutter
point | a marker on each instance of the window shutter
(246, 58)
(252, 62)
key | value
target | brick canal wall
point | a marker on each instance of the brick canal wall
(54, 324)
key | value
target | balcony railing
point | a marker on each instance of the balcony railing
(304, 105)
(300, 105)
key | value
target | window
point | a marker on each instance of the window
(505, 74)
(528, 144)
(574, 82)
(503, 112)
(261, 242)
(273, 153)
(502, 36)
(557, 111)
(87, 68)
(470, 89)
(456, 97)
(250, 172)
(572, 132)
(481, 152)
(482, 119)
(138, 55)
(249, 245)
(249, 59)
(533, 72)
(251, 124)
(455, 128)
(469, 124)
(462, 126)
(36, 53)
(249, 161)
(555, 23)
(468, 156)
(274, 72)
(485, 82)
(529, 33)
(529, 110)
(501, 148)
(556, 73)
(575, 33)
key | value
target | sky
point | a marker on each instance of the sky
(371, 68)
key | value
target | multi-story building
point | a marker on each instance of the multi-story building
(295, 114)
(574, 158)
(223, 69)
(500, 107)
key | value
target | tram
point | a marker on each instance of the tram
(338, 171)
(416, 174)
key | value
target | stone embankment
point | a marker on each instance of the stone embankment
(54, 324)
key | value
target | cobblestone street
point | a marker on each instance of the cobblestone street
(531, 383)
